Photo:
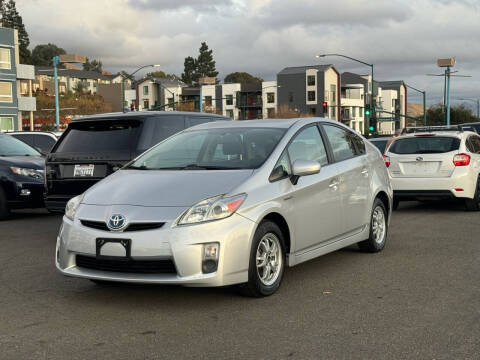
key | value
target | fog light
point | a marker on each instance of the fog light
(210, 257)
(25, 192)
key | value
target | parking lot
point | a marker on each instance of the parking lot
(418, 299)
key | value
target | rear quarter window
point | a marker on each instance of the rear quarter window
(424, 145)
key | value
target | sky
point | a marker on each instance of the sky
(403, 39)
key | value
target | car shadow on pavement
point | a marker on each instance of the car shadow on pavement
(29, 214)
(439, 206)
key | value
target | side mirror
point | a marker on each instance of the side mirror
(304, 168)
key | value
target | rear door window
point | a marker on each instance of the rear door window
(109, 136)
(342, 143)
(475, 143)
(156, 129)
(424, 145)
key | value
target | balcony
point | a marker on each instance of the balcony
(25, 72)
(26, 103)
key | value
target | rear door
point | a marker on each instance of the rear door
(423, 156)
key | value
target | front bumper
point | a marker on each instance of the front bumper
(26, 195)
(184, 245)
(460, 185)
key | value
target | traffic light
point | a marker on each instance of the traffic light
(368, 110)
(372, 125)
(325, 107)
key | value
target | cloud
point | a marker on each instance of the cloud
(166, 5)
(263, 36)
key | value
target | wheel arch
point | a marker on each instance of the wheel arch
(382, 195)
(278, 219)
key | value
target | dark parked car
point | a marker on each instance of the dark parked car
(21, 176)
(380, 143)
(94, 147)
(39, 140)
(475, 126)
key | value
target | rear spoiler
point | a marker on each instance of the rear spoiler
(425, 129)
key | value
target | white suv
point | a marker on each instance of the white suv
(432, 163)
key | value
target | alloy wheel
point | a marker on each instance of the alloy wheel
(378, 225)
(269, 260)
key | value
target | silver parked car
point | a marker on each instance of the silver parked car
(230, 203)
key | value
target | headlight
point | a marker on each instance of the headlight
(215, 208)
(72, 206)
(36, 174)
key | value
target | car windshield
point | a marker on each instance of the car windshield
(425, 145)
(9, 146)
(212, 149)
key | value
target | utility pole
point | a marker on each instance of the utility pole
(56, 61)
(448, 96)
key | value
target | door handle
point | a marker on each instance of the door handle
(365, 171)
(333, 184)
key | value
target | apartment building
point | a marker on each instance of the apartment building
(156, 93)
(306, 88)
(16, 98)
(352, 106)
(398, 104)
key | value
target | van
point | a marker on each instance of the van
(94, 147)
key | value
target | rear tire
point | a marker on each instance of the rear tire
(268, 248)
(4, 210)
(474, 204)
(378, 229)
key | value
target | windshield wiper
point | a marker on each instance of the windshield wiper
(197, 167)
(143, 167)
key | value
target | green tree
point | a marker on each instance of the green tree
(458, 115)
(241, 77)
(42, 54)
(12, 19)
(93, 65)
(80, 88)
(205, 63)
(189, 70)
(162, 74)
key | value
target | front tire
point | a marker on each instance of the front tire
(4, 210)
(474, 204)
(378, 229)
(267, 261)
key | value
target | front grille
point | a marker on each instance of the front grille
(101, 225)
(125, 265)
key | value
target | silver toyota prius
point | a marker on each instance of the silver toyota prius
(230, 203)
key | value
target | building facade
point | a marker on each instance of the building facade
(16, 100)
(306, 88)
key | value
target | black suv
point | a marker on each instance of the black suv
(94, 147)
(21, 176)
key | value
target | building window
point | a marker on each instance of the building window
(229, 100)
(311, 96)
(313, 111)
(354, 111)
(208, 101)
(23, 88)
(270, 97)
(5, 59)
(6, 91)
(311, 80)
(170, 100)
(270, 112)
(145, 104)
(290, 96)
(145, 90)
(360, 112)
(6, 124)
(229, 113)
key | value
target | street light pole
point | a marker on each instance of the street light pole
(56, 61)
(131, 76)
(372, 104)
(424, 93)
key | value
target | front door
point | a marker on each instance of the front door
(316, 197)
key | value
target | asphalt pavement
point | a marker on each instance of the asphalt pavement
(418, 299)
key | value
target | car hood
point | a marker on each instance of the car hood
(29, 162)
(163, 187)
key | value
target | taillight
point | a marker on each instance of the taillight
(461, 160)
(386, 159)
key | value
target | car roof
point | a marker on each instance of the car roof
(457, 134)
(141, 114)
(261, 123)
(383, 138)
(32, 132)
